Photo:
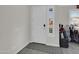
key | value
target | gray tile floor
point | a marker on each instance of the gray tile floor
(37, 48)
(73, 49)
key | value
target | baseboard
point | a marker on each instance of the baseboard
(37, 42)
(21, 48)
(54, 45)
(16, 50)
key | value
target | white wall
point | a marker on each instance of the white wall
(53, 40)
(62, 13)
(61, 17)
(39, 33)
(38, 18)
(14, 28)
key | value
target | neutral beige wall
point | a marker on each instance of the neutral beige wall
(14, 28)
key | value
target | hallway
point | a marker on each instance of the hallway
(37, 48)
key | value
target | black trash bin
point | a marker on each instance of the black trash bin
(64, 41)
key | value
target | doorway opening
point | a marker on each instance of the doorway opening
(70, 33)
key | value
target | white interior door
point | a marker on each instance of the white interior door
(38, 20)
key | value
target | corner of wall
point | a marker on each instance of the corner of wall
(19, 49)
